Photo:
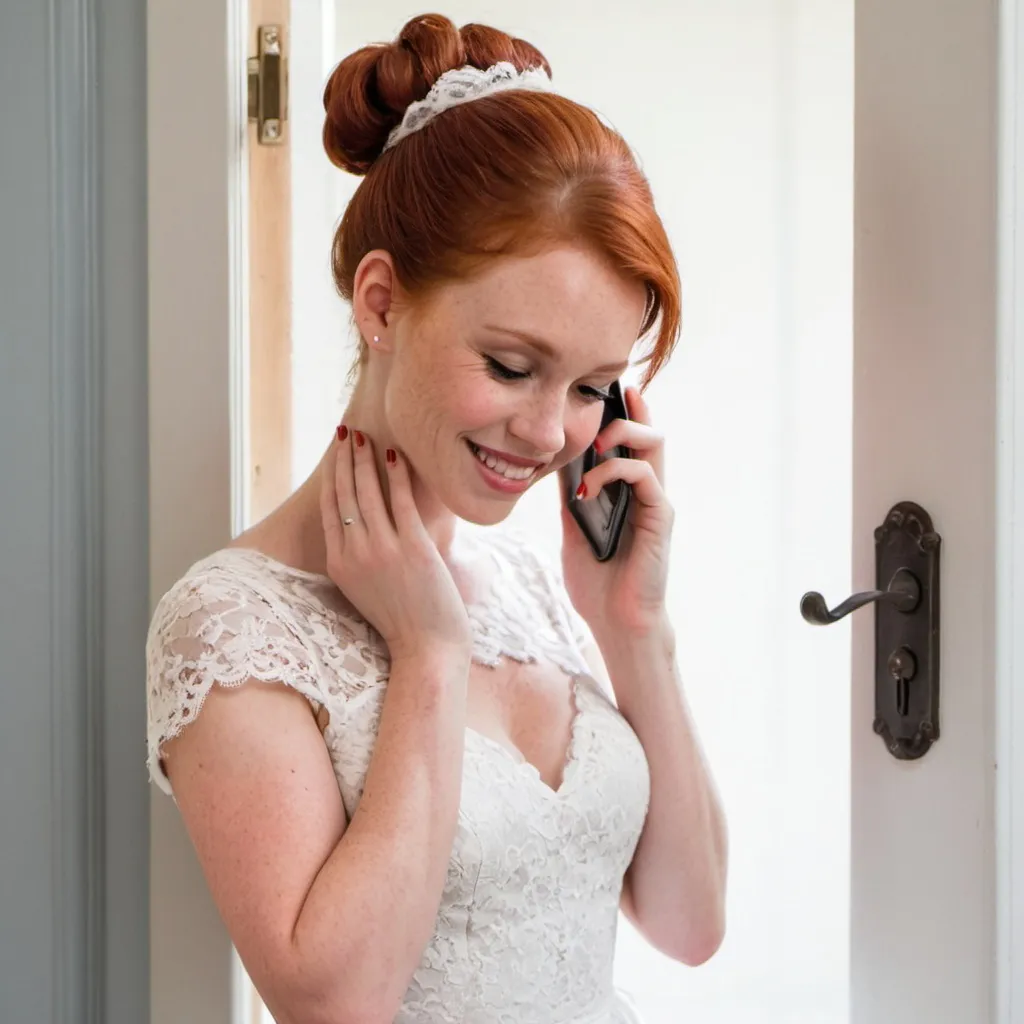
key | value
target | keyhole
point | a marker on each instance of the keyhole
(902, 697)
(903, 668)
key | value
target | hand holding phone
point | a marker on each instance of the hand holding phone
(601, 518)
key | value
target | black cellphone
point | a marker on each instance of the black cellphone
(602, 518)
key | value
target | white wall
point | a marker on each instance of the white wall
(741, 113)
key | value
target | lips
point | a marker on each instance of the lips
(518, 471)
(512, 460)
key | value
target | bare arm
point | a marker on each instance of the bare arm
(330, 917)
(675, 886)
(330, 921)
(674, 890)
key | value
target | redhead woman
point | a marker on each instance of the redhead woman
(423, 770)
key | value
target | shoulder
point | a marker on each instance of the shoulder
(229, 597)
(233, 617)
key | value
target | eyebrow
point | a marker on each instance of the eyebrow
(545, 348)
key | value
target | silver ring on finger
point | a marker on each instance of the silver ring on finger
(347, 521)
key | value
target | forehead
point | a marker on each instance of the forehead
(569, 297)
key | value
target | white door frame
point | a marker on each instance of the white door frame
(197, 304)
(1009, 704)
(197, 311)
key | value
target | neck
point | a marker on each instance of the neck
(293, 533)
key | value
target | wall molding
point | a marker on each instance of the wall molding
(1009, 709)
(76, 518)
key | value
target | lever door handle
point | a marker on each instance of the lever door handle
(903, 593)
(906, 629)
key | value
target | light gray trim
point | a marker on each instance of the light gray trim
(76, 529)
(1009, 712)
(122, 288)
(74, 813)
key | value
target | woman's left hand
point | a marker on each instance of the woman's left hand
(626, 594)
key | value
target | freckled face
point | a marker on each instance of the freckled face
(497, 381)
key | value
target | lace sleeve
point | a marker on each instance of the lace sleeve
(213, 628)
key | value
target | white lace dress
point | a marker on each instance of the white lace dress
(525, 932)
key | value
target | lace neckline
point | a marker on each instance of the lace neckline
(512, 614)
(274, 564)
(509, 621)
(571, 759)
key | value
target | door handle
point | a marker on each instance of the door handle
(906, 629)
(903, 593)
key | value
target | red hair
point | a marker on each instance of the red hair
(510, 174)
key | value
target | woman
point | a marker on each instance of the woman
(422, 776)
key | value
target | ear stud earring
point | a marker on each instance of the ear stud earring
(376, 339)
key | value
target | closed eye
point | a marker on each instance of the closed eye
(502, 372)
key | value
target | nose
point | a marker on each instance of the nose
(541, 424)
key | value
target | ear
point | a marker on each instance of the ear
(373, 298)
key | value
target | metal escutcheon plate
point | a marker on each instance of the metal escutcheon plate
(907, 642)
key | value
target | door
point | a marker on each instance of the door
(828, 174)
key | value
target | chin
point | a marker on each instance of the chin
(481, 495)
(483, 513)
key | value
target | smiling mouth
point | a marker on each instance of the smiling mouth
(500, 466)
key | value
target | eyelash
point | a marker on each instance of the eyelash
(502, 372)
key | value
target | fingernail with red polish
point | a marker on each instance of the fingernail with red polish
(598, 447)
(357, 434)
(342, 432)
(392, 456)
(581, 491)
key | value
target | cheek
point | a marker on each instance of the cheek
(428, 401)
(581, 427)
(474, 403)
(417, 391)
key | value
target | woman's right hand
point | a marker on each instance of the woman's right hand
(386, 564)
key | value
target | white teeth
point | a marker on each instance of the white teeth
(502, 467)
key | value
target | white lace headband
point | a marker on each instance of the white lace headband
(462, 85)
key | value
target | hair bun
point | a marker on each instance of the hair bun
(369, 91)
